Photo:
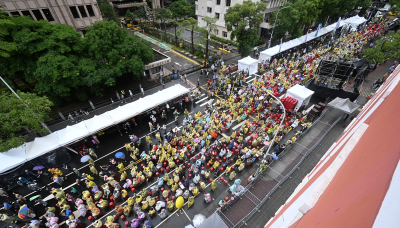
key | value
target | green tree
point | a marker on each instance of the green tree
(41, 40)
(385, 48)
(179, 10)
(163, 15)
(395, 7)
(5, 24)
(192, 25)
(138, 14)
(243, 22)
(111, 52)
(15, 115)
(288, 20)
(107, 10)
(207, 30)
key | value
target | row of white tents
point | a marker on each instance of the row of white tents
(70, 134)
(252, 64)
(267, 54)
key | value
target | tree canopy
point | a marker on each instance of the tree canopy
(5, 25)
(385, 48)
(180, 9)
(107, 10)
(14, 115)
(243, 22)
(62, 64)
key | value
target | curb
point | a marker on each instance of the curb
(191, 60)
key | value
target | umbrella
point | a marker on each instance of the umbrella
(34, 197)
(198, 219)
(23, 211)
(119, 155)
(38, 167)
(85, 158)
(189, 226)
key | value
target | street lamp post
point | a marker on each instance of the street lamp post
(276, 17)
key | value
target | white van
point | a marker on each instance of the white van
(386, 8)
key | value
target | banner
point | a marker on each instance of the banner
(280, 46)
(338, 23)
(319, 27)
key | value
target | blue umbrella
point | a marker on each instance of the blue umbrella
(38, 167)
(119, 155)
(85, 158)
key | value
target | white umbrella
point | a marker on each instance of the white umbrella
(198, 219)
(189, 226)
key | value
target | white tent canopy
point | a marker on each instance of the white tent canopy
(300, 93)
(355, 21)
(12, 158)
(344, 105)
(267, 54)
(72, 133)
(248, 63)
(42, 145)
(98, 123)
(122, 113)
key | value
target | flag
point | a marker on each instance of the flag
(280, 46)
(319, 27)
(338, 23)
(307, 35)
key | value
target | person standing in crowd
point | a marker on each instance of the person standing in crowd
(96, 139)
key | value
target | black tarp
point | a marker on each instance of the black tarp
(52, 159)
(325, 92)
(360, 62)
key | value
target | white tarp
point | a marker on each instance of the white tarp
(13, 158)
(72, 133)
(213, 221)
(344, 105)
(300, 93)
(141, 105)
(355, 21)
(122, 113)
(98, 123)
(42, 145)
(248, 63)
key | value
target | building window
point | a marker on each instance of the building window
(209, 10)
(38, 15)
(218, 2)
(216, 32)
(15, 13)
(197, 7)
(217, 15)
(90, 10)
(224, 34)
(82, 11)
(47, 14)
(228, 2)
(74, 11)
(26, 13)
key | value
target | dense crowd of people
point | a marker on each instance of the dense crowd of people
(182, 161)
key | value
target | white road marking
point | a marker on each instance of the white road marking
(239, 125)
(200, 100)
(186, 215)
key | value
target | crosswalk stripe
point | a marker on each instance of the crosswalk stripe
(200, 100)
